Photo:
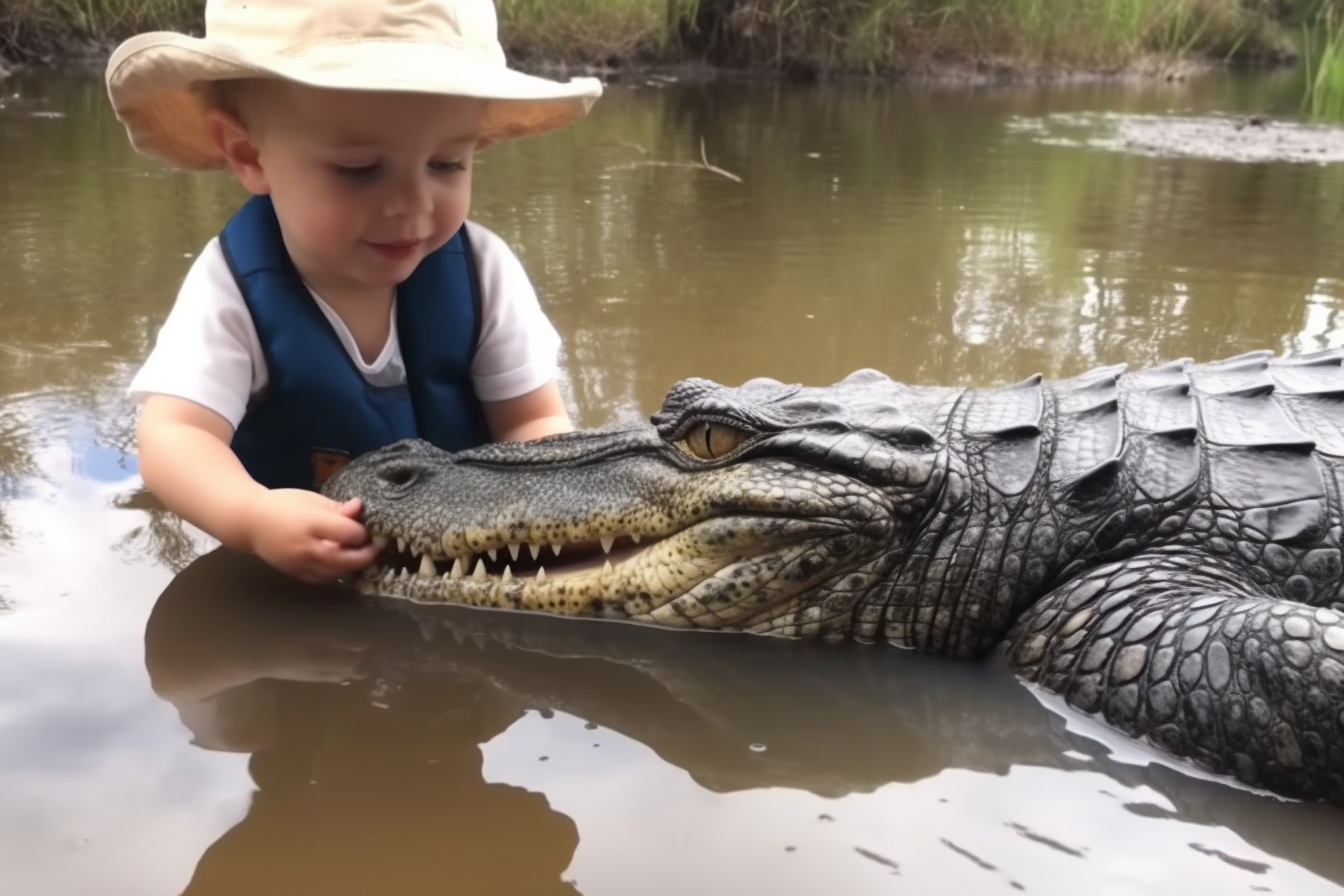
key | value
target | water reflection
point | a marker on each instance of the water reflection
(969, 253)
(353, 793)
(363, 724)
(161, 536)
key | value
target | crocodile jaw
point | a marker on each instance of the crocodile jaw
(735, 572)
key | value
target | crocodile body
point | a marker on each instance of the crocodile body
(1159, 548)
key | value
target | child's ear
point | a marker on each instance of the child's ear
(231, 138)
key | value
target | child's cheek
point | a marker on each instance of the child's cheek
(334, 221)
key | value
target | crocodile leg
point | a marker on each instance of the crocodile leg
(1200, 662)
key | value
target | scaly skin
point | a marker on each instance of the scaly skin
(1160, 548)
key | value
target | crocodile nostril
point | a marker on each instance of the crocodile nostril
(399, 476)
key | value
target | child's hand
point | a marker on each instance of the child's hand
(309, 536)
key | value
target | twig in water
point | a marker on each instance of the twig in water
(715, 168)
(703, 164)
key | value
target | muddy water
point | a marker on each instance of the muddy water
(173, 719)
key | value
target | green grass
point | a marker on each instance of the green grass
(882, 35)
(43, 28)
(815, 36)
(586, 30)
(1323, 58)
(890, 35)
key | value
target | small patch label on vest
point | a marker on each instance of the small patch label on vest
(327, 462)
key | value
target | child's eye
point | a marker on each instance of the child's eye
(357, 172)
(446, 167)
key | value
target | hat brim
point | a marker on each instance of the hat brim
(151, 78)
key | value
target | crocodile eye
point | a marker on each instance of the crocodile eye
(710, 440)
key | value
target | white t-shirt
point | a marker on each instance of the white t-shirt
(208, 352)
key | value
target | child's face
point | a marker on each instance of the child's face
(365, 184)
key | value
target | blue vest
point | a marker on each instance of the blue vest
(317, 411)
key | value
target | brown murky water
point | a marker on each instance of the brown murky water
(172, 724)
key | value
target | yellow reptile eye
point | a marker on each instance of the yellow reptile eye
(710, 440)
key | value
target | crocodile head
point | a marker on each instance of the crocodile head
(766, 507)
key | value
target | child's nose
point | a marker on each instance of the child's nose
(409, 196)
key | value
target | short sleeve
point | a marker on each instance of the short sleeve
(207, 350)
(519, 348)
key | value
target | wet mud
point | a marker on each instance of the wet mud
(1250, 137)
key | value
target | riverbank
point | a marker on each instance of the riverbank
(941, 39)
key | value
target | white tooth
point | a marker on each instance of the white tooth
(401, 543)
(427, 570)
(535, 549)
(494, 553)
(458, 572)
(606, 568)
(389, 575)
(479, 572)
(607, 542)
(508, 574)
(404, 574)
(380, 541)
(634, 536)
(541, 573)
(555, 548)
(513, 550)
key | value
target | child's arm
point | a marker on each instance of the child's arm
(538, 413)
(186, 462)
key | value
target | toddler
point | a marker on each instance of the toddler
(349, 302)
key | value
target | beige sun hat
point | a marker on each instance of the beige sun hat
(424, 46)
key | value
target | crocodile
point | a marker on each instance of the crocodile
(1157, 549)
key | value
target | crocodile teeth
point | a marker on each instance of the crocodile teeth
(606, 568)
(535, 549)
(458, 570)
(555, 548)
(607, 542)
(508, 574)
(401, 544)
(493, 553)
(541, 573)
(389, 575)
(427, 570)
(479, 572)
(513, 549)
(380, 541)
(634, 536)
